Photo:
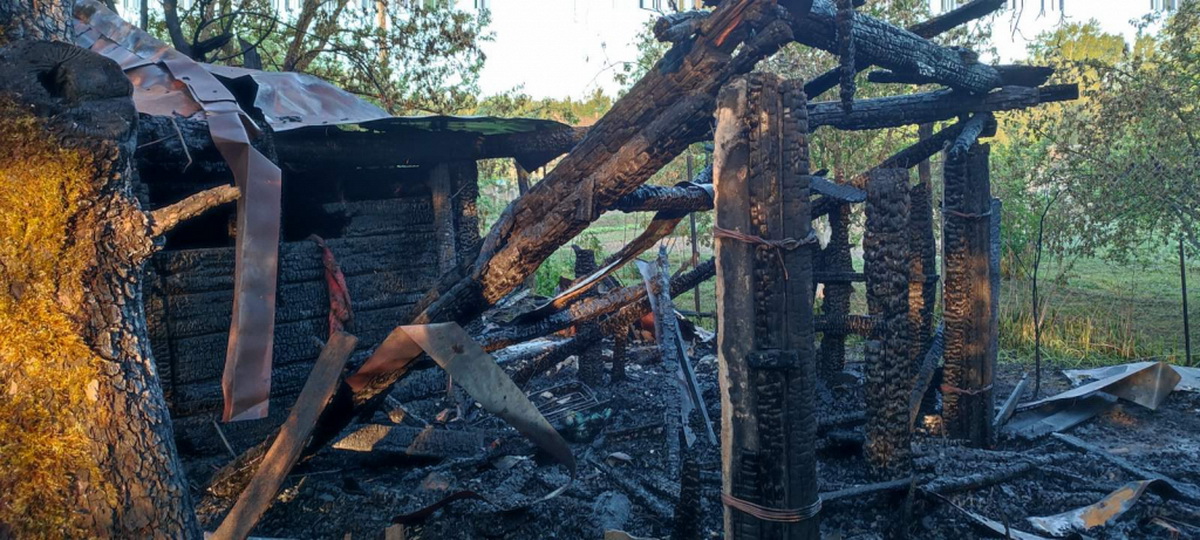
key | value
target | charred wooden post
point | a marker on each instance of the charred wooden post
(922, 269)
(836, 304)
(591, 362)
(967, 405)
(443, 217)
(889, 371)
(764, 303)
(846, 69)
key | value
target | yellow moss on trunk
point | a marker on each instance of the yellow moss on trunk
(48, 375)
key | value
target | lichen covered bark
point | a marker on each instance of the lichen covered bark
(87, 449)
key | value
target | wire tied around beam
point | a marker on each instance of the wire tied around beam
(778, 515)
(780, 246)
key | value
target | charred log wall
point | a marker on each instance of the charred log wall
(764, 295)
(386, 246)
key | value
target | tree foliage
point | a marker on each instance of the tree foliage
(1126, 153)
(407, 56)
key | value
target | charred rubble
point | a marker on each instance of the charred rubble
(793, 420)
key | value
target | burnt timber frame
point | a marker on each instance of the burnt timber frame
(764, 301)
(968, 401)
(889, 370)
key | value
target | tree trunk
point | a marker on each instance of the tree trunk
(48, 20)
(79, 378)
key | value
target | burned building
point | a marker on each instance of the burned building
(394, 198)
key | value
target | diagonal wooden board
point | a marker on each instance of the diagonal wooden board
(285, 450)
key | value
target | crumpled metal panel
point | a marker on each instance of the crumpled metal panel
(1148, 386)
(294, 100)
(168, 83)
(1189, 380)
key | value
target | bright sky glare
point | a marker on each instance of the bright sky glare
(568, 48)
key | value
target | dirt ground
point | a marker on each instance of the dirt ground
(623, 483)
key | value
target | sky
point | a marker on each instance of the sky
(568, 48)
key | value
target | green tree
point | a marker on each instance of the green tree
(1126, 153)
(409, 57)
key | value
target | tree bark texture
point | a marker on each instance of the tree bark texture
(889, 370)
(764, 300)
(968, 397)
(44, 20)
(128, 482)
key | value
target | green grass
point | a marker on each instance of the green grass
(1096, 312)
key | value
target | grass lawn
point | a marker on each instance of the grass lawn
(1096, 312)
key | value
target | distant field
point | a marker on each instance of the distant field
(1096, 312)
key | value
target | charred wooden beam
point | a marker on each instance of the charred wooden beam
(593, 308)
(956, 17)
(688, 197)
(967, 403)
(927, 29)
(895, 111)
(882, 44)
(844, 325)
(676, 27)
(888, 371)
(832, 354)
(167, 143)
(1010, 75)
(922, 271)
(846, 69)
(764, 301)
(696, 196)
(591, 362)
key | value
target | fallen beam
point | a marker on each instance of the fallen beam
(590, 309)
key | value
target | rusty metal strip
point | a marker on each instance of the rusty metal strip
(1100, 513)
(470, 367)
(286, 448)
(246, 381)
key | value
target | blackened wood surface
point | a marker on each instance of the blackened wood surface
(836, 304)
(895, 111)
(889, 371)
(882, 44)
(764, 295)
(388, 253)
(968, 399)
